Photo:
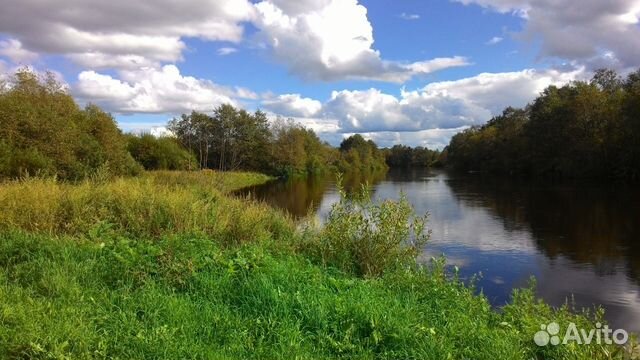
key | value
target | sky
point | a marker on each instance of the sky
(398, 71)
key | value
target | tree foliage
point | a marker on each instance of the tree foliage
(43, 131)
(228, 139)
(298, 150)
(402, 156)
(160, 153)
(358, 154)
(233, 139)
(583, 129)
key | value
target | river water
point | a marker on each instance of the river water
(580, 241)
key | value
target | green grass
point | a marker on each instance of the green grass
(168, 266)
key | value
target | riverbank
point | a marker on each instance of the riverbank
(168, 265)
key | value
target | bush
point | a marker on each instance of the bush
(368, 238)
(160, 153)
(44, 132)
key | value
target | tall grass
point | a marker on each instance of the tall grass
(168, 266)
(158, 204)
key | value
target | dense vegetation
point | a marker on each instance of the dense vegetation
(232, 139)
(358, 154)
(402, 156)
(167, 266)
(160, 153)
(578, 130)
(43, 131)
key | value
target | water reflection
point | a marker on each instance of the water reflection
(311, 195)
(574, 238)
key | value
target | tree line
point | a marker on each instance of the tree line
(402, 156)
(582, 129)
(235, 139)
(43, 131)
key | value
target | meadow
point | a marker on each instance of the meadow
(171, 265)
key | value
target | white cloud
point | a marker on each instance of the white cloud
(495, 91)
(592, 32)
(96, 60)
(431, 138)
(427, 116)
(332, 40)
(155, 129)
(315, 39)
(4, 74)
(13, 50)
(447, 104)
(151, 90)
(293, 105)
(245, 93)
(494, 40)
(368, 111)
(406, 16)
(118, 33)
(432, 114)
(227, 51)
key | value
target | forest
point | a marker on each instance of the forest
(44, 132)
(580, 130)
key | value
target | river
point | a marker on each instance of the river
(580, 241)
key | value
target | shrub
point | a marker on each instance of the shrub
(366, 237)
(44, 132)
(160, 153)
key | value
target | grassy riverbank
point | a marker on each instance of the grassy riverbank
(168, 265)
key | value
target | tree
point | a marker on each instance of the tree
(577, 130)
(43, 131)
(160, 153)
(360, 154)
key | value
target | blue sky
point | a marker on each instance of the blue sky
(410, 71)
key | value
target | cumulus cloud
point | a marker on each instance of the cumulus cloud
(432, 114)
(151, 90)
(431, 138)
(120, 33)
(332, 40)
(293, 105)
(445, 105)
(13, 50)
(592, 32)
(245, 93)
(315, 39)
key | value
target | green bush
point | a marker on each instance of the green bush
(160, 153)
(368, 238)
(44, 132)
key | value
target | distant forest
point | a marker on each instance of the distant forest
(583, 129)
